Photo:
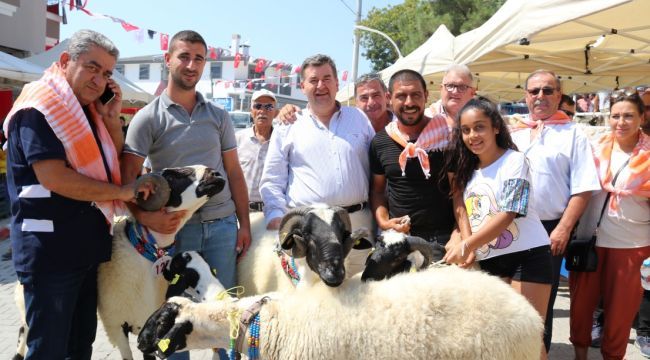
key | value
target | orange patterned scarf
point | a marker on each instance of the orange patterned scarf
(53, 97)
(638, 183)
(559, 118)
(434, 136)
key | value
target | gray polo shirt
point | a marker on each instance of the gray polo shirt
(251, 154)
(170, 137)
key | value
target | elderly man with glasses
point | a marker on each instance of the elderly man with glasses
(563, 169)
(455, 91)
(253, 143)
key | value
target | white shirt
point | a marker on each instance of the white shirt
(562, 165)
(251, 154)
(499, 187)
(632, 228)
(308, 163)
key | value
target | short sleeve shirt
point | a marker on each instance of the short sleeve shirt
(251, 153)
(49, 232)
(164, 132)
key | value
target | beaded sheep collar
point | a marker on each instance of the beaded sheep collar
(288, 265)
(144, 243)
(248, 321)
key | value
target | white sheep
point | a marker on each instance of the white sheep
(129, 289)
(439, 313)
(305, 233)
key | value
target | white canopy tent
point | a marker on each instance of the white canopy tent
(14, 68)
(591, 44)
(130, 91)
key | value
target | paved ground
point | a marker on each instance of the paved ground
(561, 348)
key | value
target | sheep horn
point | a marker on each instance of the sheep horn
(345, 217)
(156, 200)
(290, 231)
(424, 247)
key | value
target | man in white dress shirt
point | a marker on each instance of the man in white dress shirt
(323, 156)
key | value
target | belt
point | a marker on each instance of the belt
(256, 206)
(356, 207)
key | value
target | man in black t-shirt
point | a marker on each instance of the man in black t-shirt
(417, 199)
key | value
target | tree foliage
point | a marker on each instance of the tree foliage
(411, 23)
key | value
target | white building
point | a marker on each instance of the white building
(221, 81)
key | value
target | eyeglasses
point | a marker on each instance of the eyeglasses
(545, 90)
(267, 107)
(461, 88)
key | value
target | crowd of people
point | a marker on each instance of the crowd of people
(504, 198)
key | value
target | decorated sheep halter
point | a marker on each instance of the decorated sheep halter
(240, 323)
(145, 244)
(288, 264)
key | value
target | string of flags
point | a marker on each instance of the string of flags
(214, 53)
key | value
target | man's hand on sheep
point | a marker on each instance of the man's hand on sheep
(400, 224)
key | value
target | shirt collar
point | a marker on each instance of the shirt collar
(167, 101)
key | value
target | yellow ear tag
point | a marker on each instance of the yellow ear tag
(214, 272)
(163, 344)
(175, 280)
(413, 269)
(356, 242)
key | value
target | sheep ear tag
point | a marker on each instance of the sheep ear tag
(161, 264)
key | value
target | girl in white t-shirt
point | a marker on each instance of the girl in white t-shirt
(508, 238)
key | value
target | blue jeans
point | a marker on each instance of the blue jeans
(216, 240)
(61, 312)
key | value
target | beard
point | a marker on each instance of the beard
(407, 122)
(185, 85)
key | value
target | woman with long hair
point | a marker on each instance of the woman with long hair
(623, 242)
(508, 239)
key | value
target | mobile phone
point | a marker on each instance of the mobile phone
(107, 96)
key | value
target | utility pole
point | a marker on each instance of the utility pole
(355, 44)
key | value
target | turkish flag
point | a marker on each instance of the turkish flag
(164, 42)
(127, 26)
(344, 77)
(237, 60)
(297, 70)
(260, 66)
(213, 53)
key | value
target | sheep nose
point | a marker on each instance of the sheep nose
(332, 276)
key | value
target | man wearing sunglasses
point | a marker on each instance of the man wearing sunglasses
(253, 143)
(563, 169)
(455, 91)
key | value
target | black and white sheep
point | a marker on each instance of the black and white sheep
(438, 313)
(397, 252)
(129, 286)
(319, 238)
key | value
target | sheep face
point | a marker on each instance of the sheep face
(321, 235)
(187, 272)
(190, 185)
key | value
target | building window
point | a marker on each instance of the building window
(297, 81)
(285, 83)
(119, 68)
(144, 72)
(215, 70)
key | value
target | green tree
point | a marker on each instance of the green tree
(411, 23)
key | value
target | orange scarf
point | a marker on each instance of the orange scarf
(638, 183)
(559, 118)
(52, 96)
(434, 136)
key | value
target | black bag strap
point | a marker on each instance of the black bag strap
(602, 212)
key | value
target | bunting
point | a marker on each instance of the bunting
(164, 41)
(237, 60)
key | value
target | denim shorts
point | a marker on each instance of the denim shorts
(532, 265)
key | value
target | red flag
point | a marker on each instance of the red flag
(297, 70)
(213, 53)
(164, 42)
(127, 26)
(249, 85)
(279, 66)
(237, 60)
(260, 65)
(344, 77)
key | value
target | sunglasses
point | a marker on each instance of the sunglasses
(267, 107)
(461, 88)
(545, 90)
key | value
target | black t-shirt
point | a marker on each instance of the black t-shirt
(426, 201)
(49, 232)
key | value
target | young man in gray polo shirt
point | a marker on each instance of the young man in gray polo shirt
(181, 128)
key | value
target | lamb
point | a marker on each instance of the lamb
(129, 288)
(438, 313)
(397, 252)
(318, 238)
